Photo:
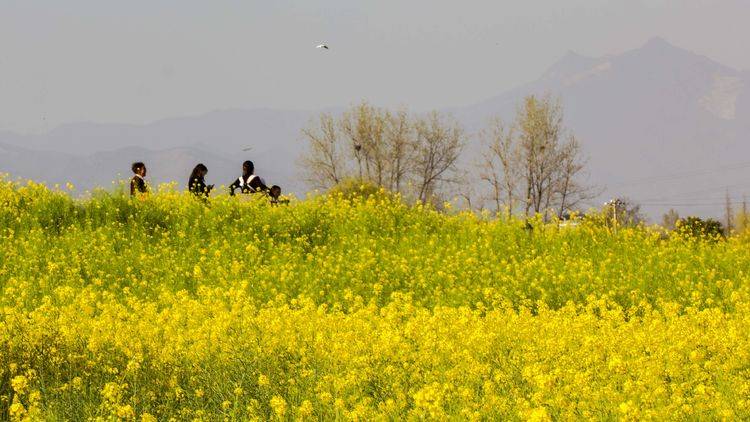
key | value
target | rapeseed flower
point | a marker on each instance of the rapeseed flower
(165, 308)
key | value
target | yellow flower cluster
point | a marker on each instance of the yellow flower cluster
(168, 308)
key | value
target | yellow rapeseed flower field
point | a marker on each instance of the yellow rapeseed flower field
(170, 308)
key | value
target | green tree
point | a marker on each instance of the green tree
(697, 228)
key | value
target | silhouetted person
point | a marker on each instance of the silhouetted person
(249, 182)
(137, 183)
(274, 193)
(197, 183)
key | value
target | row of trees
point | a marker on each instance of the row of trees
(530, 165)
(395, 150)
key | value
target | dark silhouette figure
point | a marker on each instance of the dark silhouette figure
(275, 193)
(197, 183)
(137, 183)
(249, 182)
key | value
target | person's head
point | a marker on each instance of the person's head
(139, 168)
(248, 168)
(275, 191)
(199, 171)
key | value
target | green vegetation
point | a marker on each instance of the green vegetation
(334, 307)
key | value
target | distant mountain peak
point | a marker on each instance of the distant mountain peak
(657, 48)
(658, 52)
(570, 63)
(659, 42)
(573, 63)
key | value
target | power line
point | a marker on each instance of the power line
(675, 176)
(671, 204)
(688, 196)
(686, 204)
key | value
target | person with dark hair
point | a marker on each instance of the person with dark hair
(249, 182)
(137, 183)
(197, 183)
(275, 193)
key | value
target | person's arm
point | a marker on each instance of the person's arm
(233, 186)
(195, 186)
(258, 185)
(132, 186)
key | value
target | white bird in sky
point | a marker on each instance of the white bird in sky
(322, 46)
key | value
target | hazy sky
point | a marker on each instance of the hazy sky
(137, 60)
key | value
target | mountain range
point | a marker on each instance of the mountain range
(659, 124)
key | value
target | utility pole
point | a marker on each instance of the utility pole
(728, 211)
(614, 204)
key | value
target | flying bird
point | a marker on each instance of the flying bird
(322, 46)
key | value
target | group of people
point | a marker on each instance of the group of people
(247, 183)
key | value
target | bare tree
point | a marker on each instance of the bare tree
(534, 162)
(568, 189)
(325, 161)
(400, 145)
(670, 219)
(540, 125)
(364, 126)
(499, 164)
(623, 212)
(415, 156)
(438, 147)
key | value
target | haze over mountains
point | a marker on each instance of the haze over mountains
(664, 126)
(659, 124)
